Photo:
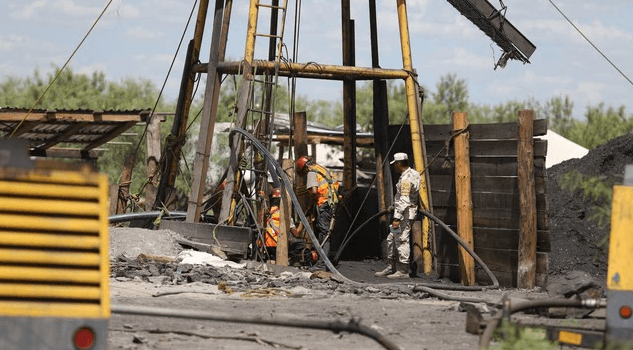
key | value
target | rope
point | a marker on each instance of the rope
(61, 69)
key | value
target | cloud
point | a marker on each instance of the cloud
(460, 57)
(142, 33)
(29, 11)
(5, 45)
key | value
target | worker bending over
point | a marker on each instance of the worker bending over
(405, 209)
(323, 191)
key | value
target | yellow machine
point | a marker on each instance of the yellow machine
(54, 259)
(620, 273)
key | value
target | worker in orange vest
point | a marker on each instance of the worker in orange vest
(323, 191)
(272, 223)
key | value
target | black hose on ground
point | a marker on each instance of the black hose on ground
(495, 282)
(352, 326)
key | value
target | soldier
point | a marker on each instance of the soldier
(404, 213)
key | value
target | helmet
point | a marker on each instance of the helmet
(301, 162)
(276, 193)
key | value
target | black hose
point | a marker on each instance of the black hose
(349, 238)
(288, 186)
(495, 282)
(146, 216)
(352, 326)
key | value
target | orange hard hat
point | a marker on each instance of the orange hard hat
(301, 162)
(276, 193)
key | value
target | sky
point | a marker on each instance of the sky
(139, 38)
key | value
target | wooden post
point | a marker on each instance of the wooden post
(526, 271)
(153, 158)
(349, 100)
(284, 216)
(300, 124)
(464, 197)
(126, 179)
(207, 125)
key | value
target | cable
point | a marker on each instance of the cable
(589, 41)
(61, 69)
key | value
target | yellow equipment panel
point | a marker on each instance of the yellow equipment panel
(54, 243)
(620, 273)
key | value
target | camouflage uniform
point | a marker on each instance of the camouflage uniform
(405, 209)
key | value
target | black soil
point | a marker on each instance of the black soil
(574, 237)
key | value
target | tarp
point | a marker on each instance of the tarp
(560, 149)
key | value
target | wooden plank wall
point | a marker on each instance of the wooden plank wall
(495, 196)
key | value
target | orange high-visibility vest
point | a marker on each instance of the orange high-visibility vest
(327, 187)
(272, 229)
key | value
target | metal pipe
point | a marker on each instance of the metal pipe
(310, 70)
(486, 336)
(114, 219)
(352, 326)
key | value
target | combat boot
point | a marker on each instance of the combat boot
(401, 272)
(391, 268)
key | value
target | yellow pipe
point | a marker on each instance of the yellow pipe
(18, 290)
(253, 13)
(28, 256)
(21, 273)
(49, 240)
(414, 121)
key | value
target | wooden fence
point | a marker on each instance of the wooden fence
(495, 197)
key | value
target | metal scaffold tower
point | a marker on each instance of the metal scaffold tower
(257, 118)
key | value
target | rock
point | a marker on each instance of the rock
(572, 283)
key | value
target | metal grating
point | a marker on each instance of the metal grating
(54, 243)
(494, 24)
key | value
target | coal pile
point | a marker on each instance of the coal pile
(575, 238)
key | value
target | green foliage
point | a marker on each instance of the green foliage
(511, 337)
(598, 189)
(601, 126)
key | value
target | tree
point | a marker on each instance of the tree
(558, 112)
(601, 126)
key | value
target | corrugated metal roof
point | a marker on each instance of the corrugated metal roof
(80, 130)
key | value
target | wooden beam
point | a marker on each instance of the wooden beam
(349, 102)
(153, 160)
(526, 271)
(285, 211)
(490, 131)
(69, 116)
(300, 124)
(464, 196)
(109, 136)
(207, 125)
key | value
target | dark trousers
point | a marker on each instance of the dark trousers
(322, 226)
